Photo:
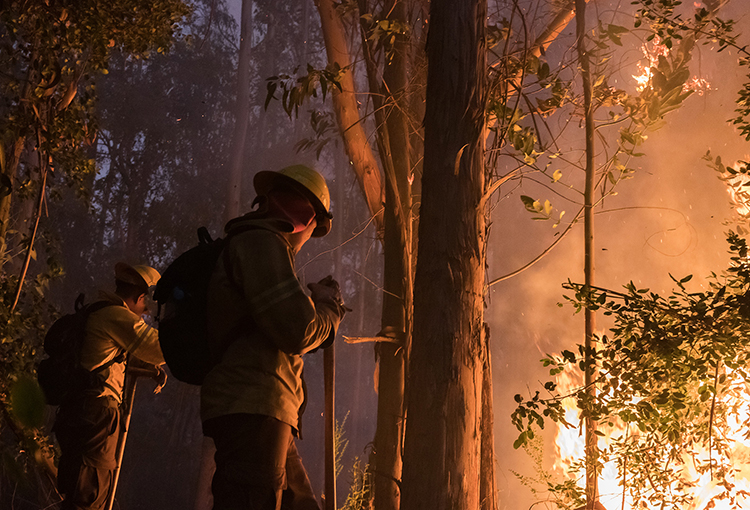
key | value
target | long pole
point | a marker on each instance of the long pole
(128, 396)
(329, 371)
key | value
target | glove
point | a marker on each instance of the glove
(327, 290)
(139, 368)
(160, 378)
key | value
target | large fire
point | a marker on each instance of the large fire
(703, 486)
(569, 444)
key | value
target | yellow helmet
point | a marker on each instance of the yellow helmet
(136, 275)
(307, 181)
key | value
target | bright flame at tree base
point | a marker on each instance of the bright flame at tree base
(569, 445)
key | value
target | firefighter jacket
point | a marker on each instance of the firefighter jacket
(261, 321)
(112, 331)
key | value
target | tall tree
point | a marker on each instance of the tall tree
(390, 45)
(442, 451)
(392, 42)
(241, 113)
(591, 439)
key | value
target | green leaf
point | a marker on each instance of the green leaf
(543, 71)
(520, 441)
(616, 29)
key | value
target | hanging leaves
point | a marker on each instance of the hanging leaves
(296, 90)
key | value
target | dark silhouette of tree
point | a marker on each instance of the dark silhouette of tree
(444, 397)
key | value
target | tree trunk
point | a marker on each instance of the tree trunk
(397, 276)
(391, 370)
(442, 447)
(355, 139)
(591, 450)
(12, 158)
(242, 111)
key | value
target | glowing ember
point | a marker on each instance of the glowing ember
(570, 452)
(698, 85)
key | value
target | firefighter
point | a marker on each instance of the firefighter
(261, 322)
(88, 424)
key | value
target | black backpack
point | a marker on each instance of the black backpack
(61, 375)
(182, 294)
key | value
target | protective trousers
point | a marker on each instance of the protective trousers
(87, 430)
(256, 460)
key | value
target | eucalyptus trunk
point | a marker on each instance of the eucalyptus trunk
(242, 112)
(444, 402)
(396, 313)
(356, 142)
(386, 460)
(12, 154)
(487, 488)
(591, 450)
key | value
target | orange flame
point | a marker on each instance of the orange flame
(570, 450)
(652, 51)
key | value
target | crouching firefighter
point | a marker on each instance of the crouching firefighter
(87, 426)
(261, 322)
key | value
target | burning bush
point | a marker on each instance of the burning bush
(672, 393)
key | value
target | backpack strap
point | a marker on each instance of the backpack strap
(120, 358)
(225, 254)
